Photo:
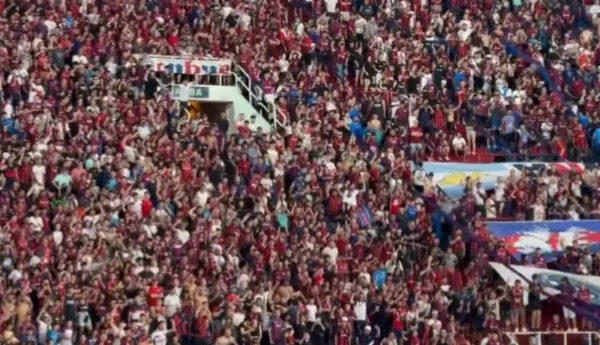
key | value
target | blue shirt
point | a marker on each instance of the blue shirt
(379, 278)
(112, 184)
(458, 78)
(596, 139)
(53, 336)
(584, 120)
(69, 22)
(354, 112)
(509, 124)
(283, 220)
(357, 130)
(10, 124)
(63, 180)
(411, 212)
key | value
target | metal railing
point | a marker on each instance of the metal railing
(538, 336)
(255, 96)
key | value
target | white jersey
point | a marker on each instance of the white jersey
(419, 177)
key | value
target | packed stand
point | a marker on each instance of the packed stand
(438, 80)
(125, 222)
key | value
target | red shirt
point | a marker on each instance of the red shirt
(342, 57)
(416, 135)
(186, 171)
(517, 293)
(580, 139)
(146, 207)
(154, 290)
(395, 204)
(560, 149)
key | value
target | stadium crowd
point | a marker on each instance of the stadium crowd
(124, 221)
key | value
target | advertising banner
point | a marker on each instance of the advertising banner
(188, 65)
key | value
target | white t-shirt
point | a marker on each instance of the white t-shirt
(360, 311)
(226, 11)
(202, 197)
(42, 331)
(57, 236)
(15, 276)
(539, 213)
(360, 25)
(159, 337)
(172, 303)
(546, 128)
(478, 194)
(490, 209)
(36, 223)
(419, 177)
(494, 307)
(331, 4)
(182, 235)
(332, 253)
(311, 312)
(576, 188)
(349, 197)
(459, 143)
(39, 174)
(500, 187)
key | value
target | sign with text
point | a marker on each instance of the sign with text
(188, 65)
(190, 93)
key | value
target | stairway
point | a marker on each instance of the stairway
(253, 93)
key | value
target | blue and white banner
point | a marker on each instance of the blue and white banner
(551, 237)
(451, 176)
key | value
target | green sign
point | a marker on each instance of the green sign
(190, 92)
(198, 92)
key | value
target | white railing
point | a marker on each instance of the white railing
(255, 96)
(536, 337)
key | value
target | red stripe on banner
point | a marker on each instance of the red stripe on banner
(577, 167)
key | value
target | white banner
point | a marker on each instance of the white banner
(187, 64)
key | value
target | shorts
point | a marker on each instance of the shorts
(518, 311)
(84, 320)
(342, 70)
(568, 313)
(415, 147)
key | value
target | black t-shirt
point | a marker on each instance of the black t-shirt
(223, 125)
(381, 318)
(151, 87)
(438, 76)
(70, 308)
(318, 334)
(299, 330)
(370, 69)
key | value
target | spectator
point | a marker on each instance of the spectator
(129, 217)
